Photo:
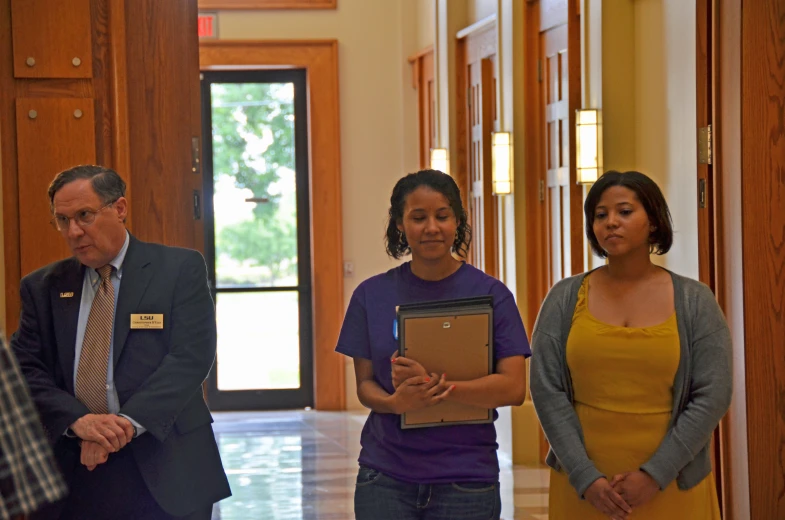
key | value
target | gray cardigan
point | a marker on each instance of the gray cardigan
(701, 388)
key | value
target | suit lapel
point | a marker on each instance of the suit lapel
(137, 271)
(66, 297)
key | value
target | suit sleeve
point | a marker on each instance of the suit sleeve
(161, 398)
(57, 407)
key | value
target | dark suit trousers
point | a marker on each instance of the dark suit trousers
(116, 491)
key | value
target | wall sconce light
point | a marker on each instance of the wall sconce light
(501, 153)
(440, 160)
(588, 140)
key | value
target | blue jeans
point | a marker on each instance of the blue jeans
(380, 497)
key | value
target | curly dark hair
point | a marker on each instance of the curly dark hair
(650, 195)
(395, 241)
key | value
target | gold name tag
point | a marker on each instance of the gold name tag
(147, 321)
(66, 295)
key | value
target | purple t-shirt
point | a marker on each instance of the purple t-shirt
(462, 453)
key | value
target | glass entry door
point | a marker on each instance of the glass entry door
(257, 237)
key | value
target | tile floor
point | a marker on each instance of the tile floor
(302, 465)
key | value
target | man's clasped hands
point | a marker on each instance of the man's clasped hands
(101, 435)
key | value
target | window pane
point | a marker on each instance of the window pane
(258, 340)
(255, 198)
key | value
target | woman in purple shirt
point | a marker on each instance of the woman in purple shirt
(447, 472)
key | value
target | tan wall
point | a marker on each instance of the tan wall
(378, 112)
(478, 9)
(424, 17)
(665, 117)
(643, 78)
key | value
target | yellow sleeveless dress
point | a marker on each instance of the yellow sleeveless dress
(622, 380)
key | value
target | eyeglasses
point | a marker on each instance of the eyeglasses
(83, 218)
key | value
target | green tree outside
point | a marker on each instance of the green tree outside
(253, 144)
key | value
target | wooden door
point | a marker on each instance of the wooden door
(165, 122)
(563, 197)
(477, 119)
(708, 193)
(423, 82)
(483, 205)
(554, 200)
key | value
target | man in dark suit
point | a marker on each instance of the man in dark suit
(115, 344)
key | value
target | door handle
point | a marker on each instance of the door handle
(197, 205)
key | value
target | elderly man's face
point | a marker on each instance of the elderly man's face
(97, 244)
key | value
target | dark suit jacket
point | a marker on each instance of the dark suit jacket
(158, 373)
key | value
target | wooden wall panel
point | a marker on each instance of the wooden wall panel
(146, 48)
(320, 58)
(52, 134)
(36, 24)
(763, 228)
(163, 105)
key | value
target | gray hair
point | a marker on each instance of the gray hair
(105, 181)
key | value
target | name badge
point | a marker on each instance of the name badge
(66, 295)
(147, 321)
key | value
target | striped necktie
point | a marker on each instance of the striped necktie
(94, 359)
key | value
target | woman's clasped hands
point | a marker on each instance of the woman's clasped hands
(624, 492)
(414, 387)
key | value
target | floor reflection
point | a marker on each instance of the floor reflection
(301, 465)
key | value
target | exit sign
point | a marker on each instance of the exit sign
(208, 25)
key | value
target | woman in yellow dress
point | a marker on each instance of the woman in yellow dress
(631, 370)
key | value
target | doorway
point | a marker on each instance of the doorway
(257, 237)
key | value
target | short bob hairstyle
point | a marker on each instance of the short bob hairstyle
(395, 241)
(648, 193)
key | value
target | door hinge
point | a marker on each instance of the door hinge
(704, 145)
(542, 191)
(195, 155)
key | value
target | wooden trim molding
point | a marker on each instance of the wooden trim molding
(419, 54)
(477, 27)
(320, 59)
(267, 4)
(574, 102)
